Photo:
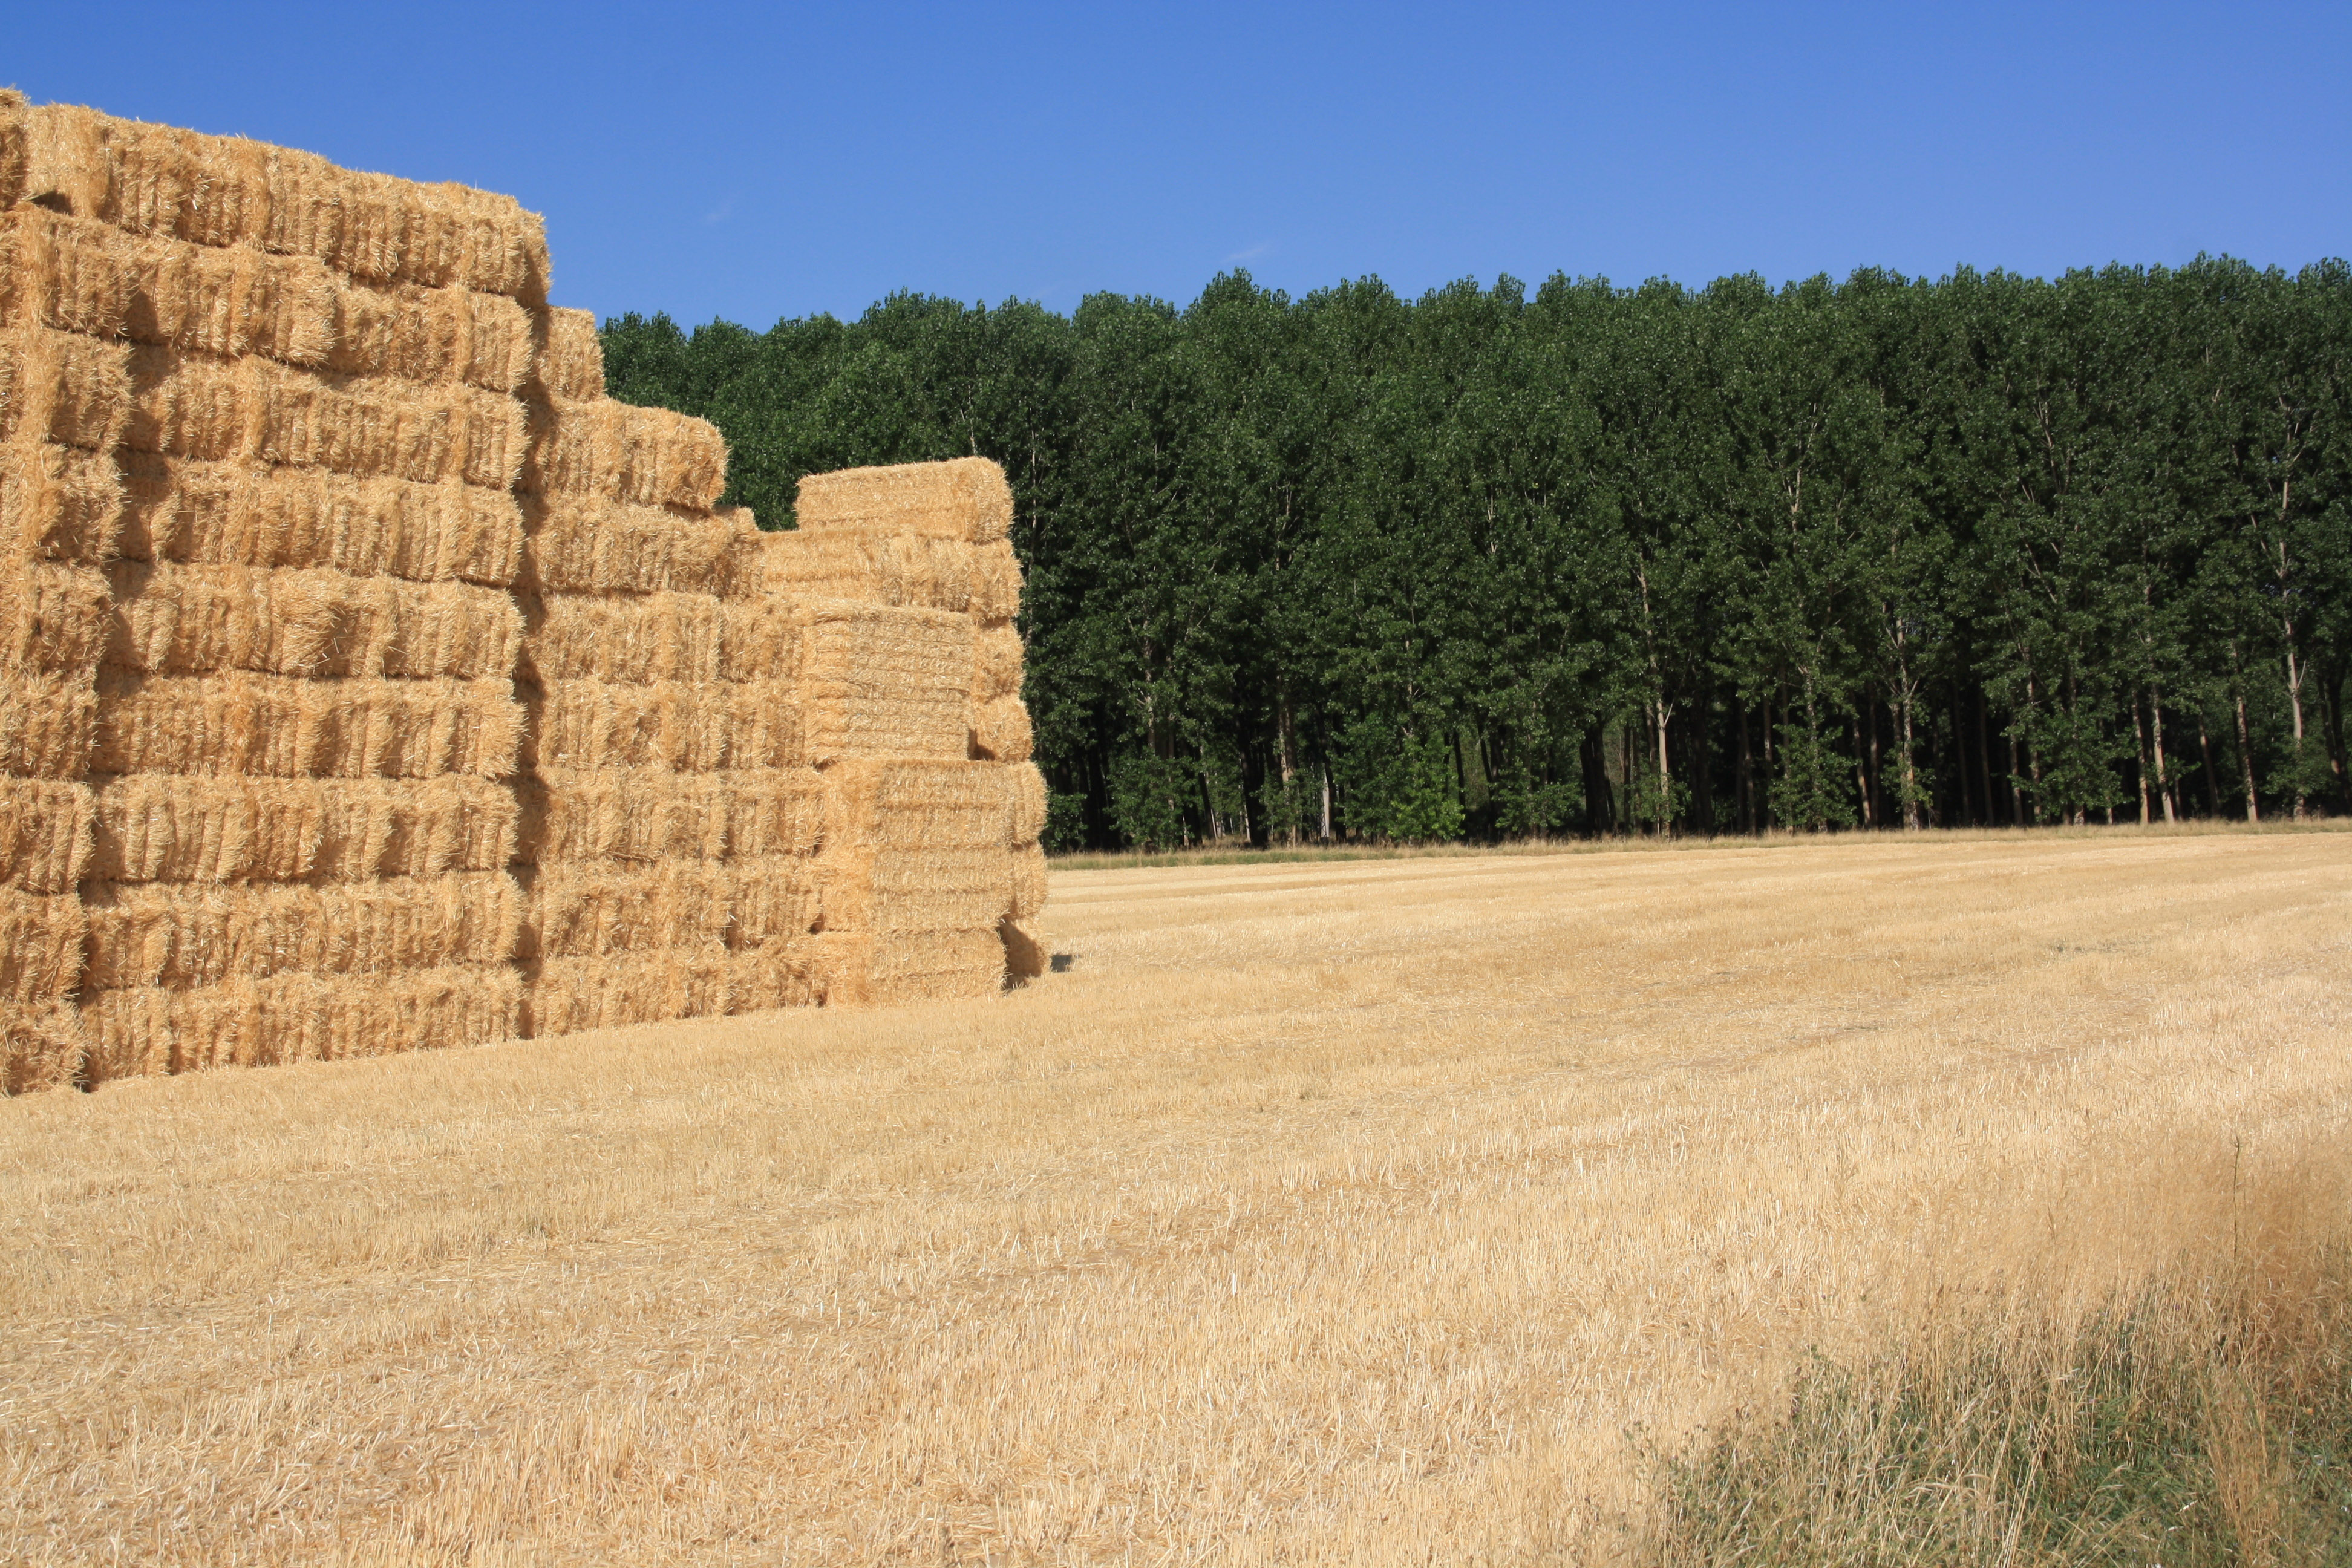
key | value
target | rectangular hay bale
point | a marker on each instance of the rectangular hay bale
(55, 618)
(888, 969)
(881, 681)
(183, 619)
(881, 564)
(188, 935)
(648, 456)
(227, 190)
(929, 890)
(41, 1046)
(296, 1017)
(965, 498)
(571, 362)
(645, 814)
(684, 726)
(45, 725)
(254, 411)
(231, 514)
(582, 543)
(41, 938)
(60, 503)
(921, 804)
(46, 837)
(288, 727)
(566, 995)
(163, 828)
(63, 387)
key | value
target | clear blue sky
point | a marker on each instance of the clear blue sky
(757, 163)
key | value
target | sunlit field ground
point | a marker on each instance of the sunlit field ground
(1416, 1210)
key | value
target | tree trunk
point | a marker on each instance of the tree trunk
(1984, 753)
(2245, 740)
(1665, 779)
(2139, 739)
(1861, 773)
(1911, 818)
(2295, 672)
(2212, 784)
(2155, 733)
(1327, 803)
(1289, 737)
(1744, 781)
(1600, 804)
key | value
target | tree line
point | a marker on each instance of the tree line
(1987, 548)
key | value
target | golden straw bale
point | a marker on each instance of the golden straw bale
(919, 804)
(185, 935)
(881, 564)
(1028, 895)
(635, 637)
(231, 514)
(255, 411)
(224, 191)
(45, 725)
(889, 968)
(882, 681)
(997, 663)
(1025, 788)
(593, 908)
(650, 457)
(965, 498)
(63, 387)
(54, 617)
(60, 503)
(163, 827)
(931, 890)
(564, 995)
(580, 543)
(652, 814)
(40, 1046)
(792, 974)
(296, 1017)
(585, 909)
(41, 941)
(80, 275)
(571, 362)
(13, 112)
(46, 837)
(431, 335)
(72, 275)
(684, 726)
(283, 726)
(1000, 730)
(175, 619)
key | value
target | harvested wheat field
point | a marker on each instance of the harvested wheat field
(1368, 1211)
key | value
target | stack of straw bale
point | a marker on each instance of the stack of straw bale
(370, 681)
(670, 810)
(908, 587)
(264, 427)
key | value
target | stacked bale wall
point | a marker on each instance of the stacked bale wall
(932, 809)
(371, 682)
(670, 810)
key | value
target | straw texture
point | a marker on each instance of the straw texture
(231, 514)
(882, 681)
(227, 191)
(185, 936)
(965, 498)
(296, 1017)
(160, 827)
(275, 726)
(174, 618)
(881, 564)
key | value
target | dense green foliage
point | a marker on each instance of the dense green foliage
(1983, 550)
